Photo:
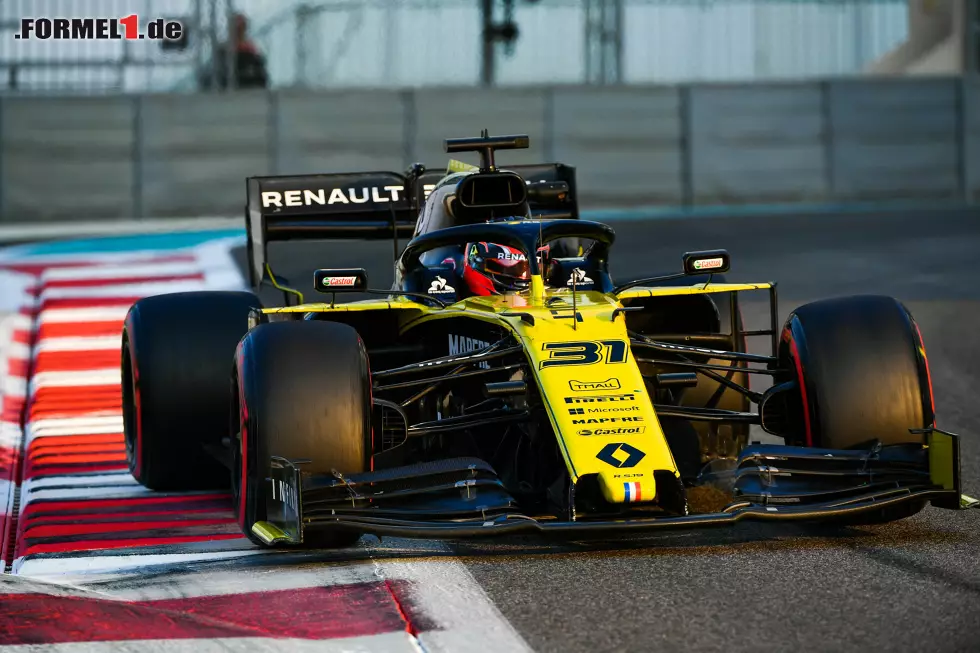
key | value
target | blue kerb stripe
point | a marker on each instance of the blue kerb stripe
(156, 241)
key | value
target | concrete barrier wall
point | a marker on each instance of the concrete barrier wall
(186, 155)
(67, 158)
(359, 130)
(197, 151)
(759, 144)
(895, 139)
(626, 143)
(971, 136)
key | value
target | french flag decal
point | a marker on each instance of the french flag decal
(632, 492)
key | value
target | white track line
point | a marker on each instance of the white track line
(82, 482)
(72, 569)
(10, 434)
(122, 270)
(220, 270)
(12, 386)
(61, 426)
(81, 343)
(224, 582)
(17, 351)
(85, 492)
(122, 290)
(445, 591)
(14, 287)
(88, 314)
(108, 376)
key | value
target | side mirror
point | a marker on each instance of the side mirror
(340, 280)
(707, 262)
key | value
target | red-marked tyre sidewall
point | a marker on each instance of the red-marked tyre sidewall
(301, 390)
(177, 351)
(131, 406)
(245, 485)
(861, 370)
(863, 378)
(925, 374)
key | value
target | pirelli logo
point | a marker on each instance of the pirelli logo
(601, 399)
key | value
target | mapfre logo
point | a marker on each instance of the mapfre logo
(461, 345)
(128, 28)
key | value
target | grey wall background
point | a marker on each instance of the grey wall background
(691, 145)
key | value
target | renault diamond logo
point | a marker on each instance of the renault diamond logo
(620, 455)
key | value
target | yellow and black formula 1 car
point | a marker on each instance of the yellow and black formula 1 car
(505, 385)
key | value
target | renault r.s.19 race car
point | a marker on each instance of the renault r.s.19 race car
(504, 384)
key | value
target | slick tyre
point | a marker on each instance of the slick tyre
(862, 370)
(177, 354)
(864, 377)
(302, 391)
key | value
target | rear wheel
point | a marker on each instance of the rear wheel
(177, 351)
(302, 390)
(863, 376)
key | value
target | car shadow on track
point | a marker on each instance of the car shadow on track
(745, 538)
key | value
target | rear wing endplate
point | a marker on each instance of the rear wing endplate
(365, 205)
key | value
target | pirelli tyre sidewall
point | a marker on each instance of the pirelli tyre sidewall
(864, 377)
(177, 351)
(862, 368)
(301, 391)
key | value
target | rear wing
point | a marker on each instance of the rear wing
(532, 173)
(361, 206)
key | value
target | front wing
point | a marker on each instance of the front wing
(463, 498)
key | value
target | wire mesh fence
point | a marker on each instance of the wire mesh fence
(90, 65)
(412, 43)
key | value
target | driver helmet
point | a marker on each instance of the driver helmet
(492, 269)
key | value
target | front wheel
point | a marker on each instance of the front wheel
(863, 378)
(862, 372)
(301, 391)
(176, 350)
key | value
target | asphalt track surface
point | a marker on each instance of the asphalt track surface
(912, 585)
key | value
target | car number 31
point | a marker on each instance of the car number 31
(585, 352)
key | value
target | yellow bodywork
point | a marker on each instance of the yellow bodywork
(593, 390)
